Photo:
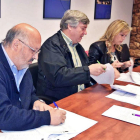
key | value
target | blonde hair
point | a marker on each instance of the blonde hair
(113, 29)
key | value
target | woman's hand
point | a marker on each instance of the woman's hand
(127, 64)
(117, 64)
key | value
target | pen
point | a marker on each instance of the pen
(99, 63)
(136, 115)
(55, 105)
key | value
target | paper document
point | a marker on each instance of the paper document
(107, 77)
(125, 77)
(133, 77)
(125, 97)
(21, 136)
(131, 67)
(128, 88)
(74, 124)
(123, 113)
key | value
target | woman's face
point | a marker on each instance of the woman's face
(119, 38)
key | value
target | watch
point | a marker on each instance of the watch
(41, 101)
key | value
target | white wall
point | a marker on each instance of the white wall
(31, 12)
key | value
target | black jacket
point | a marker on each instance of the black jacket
(98, 51)
(57, 75)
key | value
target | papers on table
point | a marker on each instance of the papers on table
(125, 97)
(131, 67)
(129, 94)
(21, 136)
(128, 88)
(107, 77)
(125, 77)
(133, 77)
(73, 125)
(123, 113)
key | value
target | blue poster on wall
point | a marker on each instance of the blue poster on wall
(55, 8)
(102, 9)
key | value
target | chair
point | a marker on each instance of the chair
(86, 52)
(137, 62)
(34, 72)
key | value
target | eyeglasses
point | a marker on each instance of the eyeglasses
(35, 52)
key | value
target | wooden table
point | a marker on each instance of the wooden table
(91, 103)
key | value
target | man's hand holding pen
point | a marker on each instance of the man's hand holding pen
(57, 116)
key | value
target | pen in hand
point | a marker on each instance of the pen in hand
(99, 63)
(136, 115)
(55, 105)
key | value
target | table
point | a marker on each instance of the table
(91, 103)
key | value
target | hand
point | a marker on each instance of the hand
(38, 105)
(127, 64)
(57, 116)
(117, 64)
(116, 73)
(97, 69)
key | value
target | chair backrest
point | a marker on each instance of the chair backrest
(34, 72)
(86, 52)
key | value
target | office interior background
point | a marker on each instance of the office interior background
(31, 12)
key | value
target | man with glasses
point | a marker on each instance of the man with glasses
(20, 108)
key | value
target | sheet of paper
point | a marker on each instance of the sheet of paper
(128, 88)
(125, 77)
(123, 113)
(133, 77)
(125, 97)
(131, 67)
(107, 77)
(73, 125)
(73, 121)
(22, 136)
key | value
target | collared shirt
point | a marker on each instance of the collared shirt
(75, 56)
(18, 74)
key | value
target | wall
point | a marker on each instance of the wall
(135, 34)
(31, 12)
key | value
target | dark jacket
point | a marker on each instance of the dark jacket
(14, 114)
(57, 76)
(98, 51)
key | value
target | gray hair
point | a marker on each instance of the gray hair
(12, 34)
(73, 17)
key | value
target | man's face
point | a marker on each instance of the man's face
(28, 53)
(78, 32)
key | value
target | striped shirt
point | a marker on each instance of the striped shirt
(75, 56)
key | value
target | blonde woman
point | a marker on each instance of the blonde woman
(109, 49)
